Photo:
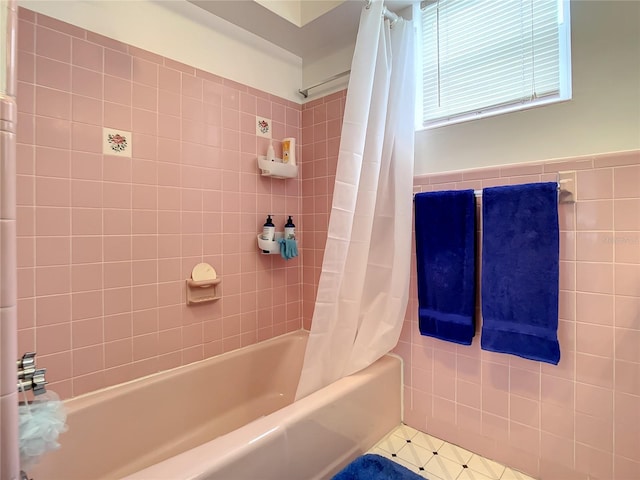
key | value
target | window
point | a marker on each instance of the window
(484, 57)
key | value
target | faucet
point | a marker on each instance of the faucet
(30, 377)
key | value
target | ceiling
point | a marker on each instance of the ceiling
(330, 31)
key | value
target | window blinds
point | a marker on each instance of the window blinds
(480, 55)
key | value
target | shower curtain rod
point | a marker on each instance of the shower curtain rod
(389, 15)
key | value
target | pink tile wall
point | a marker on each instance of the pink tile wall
(554, 422)
(559, 422)
(105, 243)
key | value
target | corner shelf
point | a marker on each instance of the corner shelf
(277, 169)
(202, 291)
(268, 247)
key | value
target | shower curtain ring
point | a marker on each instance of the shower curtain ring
(367, 4)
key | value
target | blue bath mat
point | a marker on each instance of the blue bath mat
(375, 467)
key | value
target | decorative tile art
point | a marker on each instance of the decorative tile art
(263, 127)
(116, 142)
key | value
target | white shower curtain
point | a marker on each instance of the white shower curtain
(364, 284)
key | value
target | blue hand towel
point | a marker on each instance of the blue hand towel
(445, 258)
(375, 467)
(288, 248)
(520, 250)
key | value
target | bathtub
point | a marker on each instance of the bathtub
(228, 417)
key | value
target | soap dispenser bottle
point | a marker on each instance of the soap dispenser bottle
(289, 229)
(269, 230)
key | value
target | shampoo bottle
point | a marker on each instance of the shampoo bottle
(271, 155)
(269, 230)
(289, 229)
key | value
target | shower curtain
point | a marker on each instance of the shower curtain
(364, 283)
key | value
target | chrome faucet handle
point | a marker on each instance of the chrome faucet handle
(38, 381)
(27, 365)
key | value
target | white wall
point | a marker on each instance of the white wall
(603, 116)
(184, 32)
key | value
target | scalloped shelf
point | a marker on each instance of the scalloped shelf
(277, 169)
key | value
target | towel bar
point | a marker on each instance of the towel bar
(566, 187)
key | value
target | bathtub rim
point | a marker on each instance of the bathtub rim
(89, 399)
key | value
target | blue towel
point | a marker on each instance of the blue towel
(288, 248)
(445, 258)
(375, 467)
(520, 250)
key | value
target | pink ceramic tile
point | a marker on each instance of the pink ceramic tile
(118, 352)
(627, 214)
(86, 277)
(117, 274)
(626, 312)
(594, 246)
(594, 339)
(116, 195)
(52, 309)
(86, 138)
(558, 420)
(627, 182)
(627, 378)
(169, 79)
(144, 297)
(86, 305)
(86, 221)
(144, 97)
(53, 280)
(145, 72)
(52, 44)
(117, 326)
(144, 121)
(117, 64)
(627, 280)
(595, 184)
(594, 308)
(53, 338)
(86, 194)
(594, 370)
(118, 90)
(86, 110)
(53, 74)
(50, 132)
(87, 360)
(53, 251)
(594, 215)
(60, 26)
(52, 103)
(594, 401)
(87, 55)
(192, 86)
(117, 116)
(85, 82)
(53, 192)
(594, 277)
(51, 162)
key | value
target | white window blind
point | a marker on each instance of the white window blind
(484, 55)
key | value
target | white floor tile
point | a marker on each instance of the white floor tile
(427, 441)
(405, 431)
(455, 453)
(510, 474)
(392, 443)
(485, 466)
(381, 452)
(468, 474)
(415, 454)
(443, 468)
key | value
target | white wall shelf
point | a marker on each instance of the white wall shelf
(277, 169)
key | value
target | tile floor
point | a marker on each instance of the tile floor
(436, 459)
